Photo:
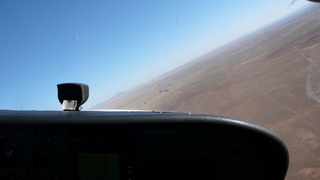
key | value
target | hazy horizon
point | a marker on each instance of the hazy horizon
(244, 37)
(113, 46)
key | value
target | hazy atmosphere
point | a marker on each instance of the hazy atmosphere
(113, 46)
(253, 60)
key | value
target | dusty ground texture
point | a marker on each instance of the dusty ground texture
(271, 78)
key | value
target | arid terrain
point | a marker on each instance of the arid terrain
(271, 78)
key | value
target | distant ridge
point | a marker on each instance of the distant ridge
(114, 97)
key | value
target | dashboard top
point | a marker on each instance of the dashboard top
(228, 148)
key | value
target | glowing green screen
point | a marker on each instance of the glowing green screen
(98, 166)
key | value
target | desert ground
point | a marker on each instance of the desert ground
(271, 78)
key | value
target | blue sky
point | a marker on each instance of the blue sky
(113, 45)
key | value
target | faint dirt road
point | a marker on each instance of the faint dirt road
(308, 58)
(273, 99)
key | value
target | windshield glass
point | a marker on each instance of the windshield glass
(253, 60)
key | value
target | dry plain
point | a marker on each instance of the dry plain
(271, 78)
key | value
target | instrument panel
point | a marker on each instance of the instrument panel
(129, 146)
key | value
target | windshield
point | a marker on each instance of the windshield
(253, 60)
